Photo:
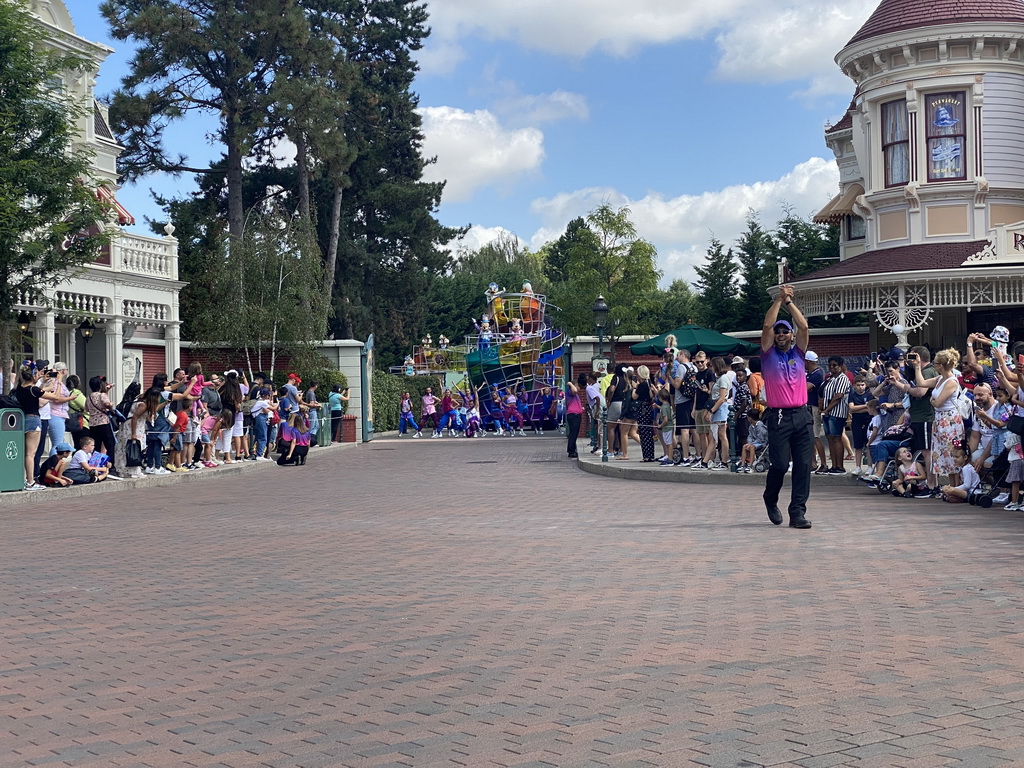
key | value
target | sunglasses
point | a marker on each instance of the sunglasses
(782, 331)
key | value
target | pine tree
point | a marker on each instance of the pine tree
(718, 305)
(755, 251)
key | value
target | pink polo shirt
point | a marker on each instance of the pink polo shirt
(785, 381)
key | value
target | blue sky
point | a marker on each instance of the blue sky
(688, 112)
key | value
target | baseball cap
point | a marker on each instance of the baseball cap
(896, 353)
(1000, 334)
(812, 356)
(63, 448)
(784, 323)
(738, 361)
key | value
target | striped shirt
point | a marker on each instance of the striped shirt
(838, 384)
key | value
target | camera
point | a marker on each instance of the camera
(981, 499)
(911, 356)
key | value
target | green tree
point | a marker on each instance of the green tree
(676, 306)
(216, 57)
(623, 269)
(49, 218)
(717, 289)
(271, 282)
(577, 243)
(755, 251)
(805, 245)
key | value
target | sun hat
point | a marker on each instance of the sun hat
(738, 361)
(1000, 334)
(812, 356)
(63, 447)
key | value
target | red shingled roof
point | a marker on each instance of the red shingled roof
(846, 121)
(895, 15)
(906, 258)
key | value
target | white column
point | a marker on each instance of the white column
(44, 348)
(172, 346)
(112, 334)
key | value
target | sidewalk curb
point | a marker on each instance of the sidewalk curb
(654, 473)
(18, 498)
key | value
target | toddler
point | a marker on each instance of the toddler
(957, 494)
(1015, 472)
(757, 439)
(910, 475)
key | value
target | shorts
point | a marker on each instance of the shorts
(922, 437)
(834, 425)
(191, 433)
(702, 420)
(666, 435)
(684, 416)
(237, 430)
(819, 428)
(204, 438)
(32, 422)
(614, 410)
(721, 415)
(859, 432)
(175, 442)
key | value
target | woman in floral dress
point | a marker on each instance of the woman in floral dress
(948, 427)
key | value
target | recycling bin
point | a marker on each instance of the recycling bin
(12, 449)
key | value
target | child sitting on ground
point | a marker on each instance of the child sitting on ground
(81, 472)
(295, 432)
(969, 478)
(910, 475)
(51, 473)
(757, 439)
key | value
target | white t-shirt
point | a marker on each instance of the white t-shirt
(594, 395)
(260, 406)
(876, 423)
(970, 478)
(80, 460)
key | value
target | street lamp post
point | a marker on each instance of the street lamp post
(600, 310)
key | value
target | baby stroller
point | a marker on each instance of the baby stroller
(761, 460)
(890, 474)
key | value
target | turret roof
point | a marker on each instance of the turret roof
(896, 15)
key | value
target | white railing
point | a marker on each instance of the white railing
(955, 291)
(141, 255)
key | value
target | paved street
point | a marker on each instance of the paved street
(484, 603)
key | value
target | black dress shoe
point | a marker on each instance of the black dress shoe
(774, 515)
(799, 522)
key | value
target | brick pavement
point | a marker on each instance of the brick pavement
(457, 602)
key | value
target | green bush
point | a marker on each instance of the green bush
(387, 396)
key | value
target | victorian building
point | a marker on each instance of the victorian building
(931, 161)
(127, 301)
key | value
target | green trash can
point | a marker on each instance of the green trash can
(12, 449)
(323, 437)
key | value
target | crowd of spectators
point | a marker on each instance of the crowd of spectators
(945, 424)
(76, 435)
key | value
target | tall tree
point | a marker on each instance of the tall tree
(622, 268)
(391, 245)
(804, 245)
(216, 57)
(49, 212)
(755, 251)
(676, 306)
(575, 243)
(718, 289)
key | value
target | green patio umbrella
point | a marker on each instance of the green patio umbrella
(694, 337)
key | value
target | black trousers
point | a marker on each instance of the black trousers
(572, 431)
(790, 438)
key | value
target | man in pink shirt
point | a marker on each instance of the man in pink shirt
(788, 416)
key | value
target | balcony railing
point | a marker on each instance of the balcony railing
(142, 255)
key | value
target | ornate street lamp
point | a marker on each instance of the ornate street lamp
(87, 329)
(600, 310)
(24, 321)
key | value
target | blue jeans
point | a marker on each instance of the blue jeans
(407, 418)
(260, 428)
(154, 452)
(55, 430)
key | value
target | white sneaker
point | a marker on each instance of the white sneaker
(1011, 507)
(499, 432)
(522, 433)
(1001, 499)
(160, 471)
(540, 431)
(856, 471)
(418, 434)
(263, 458)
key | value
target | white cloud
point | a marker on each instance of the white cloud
(474, 150)
(478, 237)
(759, 40)
(775, 42)
(681, 227)
(531, 109)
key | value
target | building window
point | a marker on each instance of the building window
(896, 143)
(946, 133)
(855, 229)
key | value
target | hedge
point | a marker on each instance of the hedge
(387, 396)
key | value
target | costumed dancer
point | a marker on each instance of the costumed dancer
(474, 428)
(512, 416)
(483, 329)
(405, 416)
